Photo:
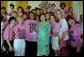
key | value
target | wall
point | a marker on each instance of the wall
(76, 5)
(77, 8)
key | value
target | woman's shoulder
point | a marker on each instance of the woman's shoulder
(27, 20)
(47, 22)
(39, 22)
(78, 25)
(16, 26)
(7, 27)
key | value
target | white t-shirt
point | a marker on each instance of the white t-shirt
(2, 47)
(63, 27)
(1, 27)
(1, 34)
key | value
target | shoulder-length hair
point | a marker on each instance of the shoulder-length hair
(41, 15)
(20, 7)
(33, 14)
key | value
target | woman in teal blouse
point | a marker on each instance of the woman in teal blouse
(43, 37)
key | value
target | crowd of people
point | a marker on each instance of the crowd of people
(35, 32)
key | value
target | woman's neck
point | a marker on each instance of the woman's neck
(20, 22)
(73, 24)
(44, 22)
(12, 9)
(31, 19)
(53, 22)
(11, 25)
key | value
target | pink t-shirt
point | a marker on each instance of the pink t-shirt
(76, 35)
(8, 33)
(56, 28)
(31, 30)
(5, 24)
(20, 31)
(76, 30)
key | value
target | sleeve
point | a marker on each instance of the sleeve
(78, 31)
(4, 25)
(6, 33)
(49, 28)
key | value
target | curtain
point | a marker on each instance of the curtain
(68, 3)
(4, 3)
(24, 4)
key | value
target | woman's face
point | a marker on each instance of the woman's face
(71, 22)
(31, 16)
(62, 7)
(42, 18)
(27, 10)
(20, 10)
(34, 12)
(11, 7)
(42, 11)
(52, 19)
(20, 20)
(59, 15)
(71, 10)
(13, 22)
(53, 6)
(38, 12)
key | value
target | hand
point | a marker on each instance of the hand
(50, 34)
(62, 43)
(61, 40)
(10, 49)
(46, 45)
(78, 50)
(53, 35)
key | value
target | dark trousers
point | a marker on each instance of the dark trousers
(7, 52)
(74, 53)
(31, 48)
